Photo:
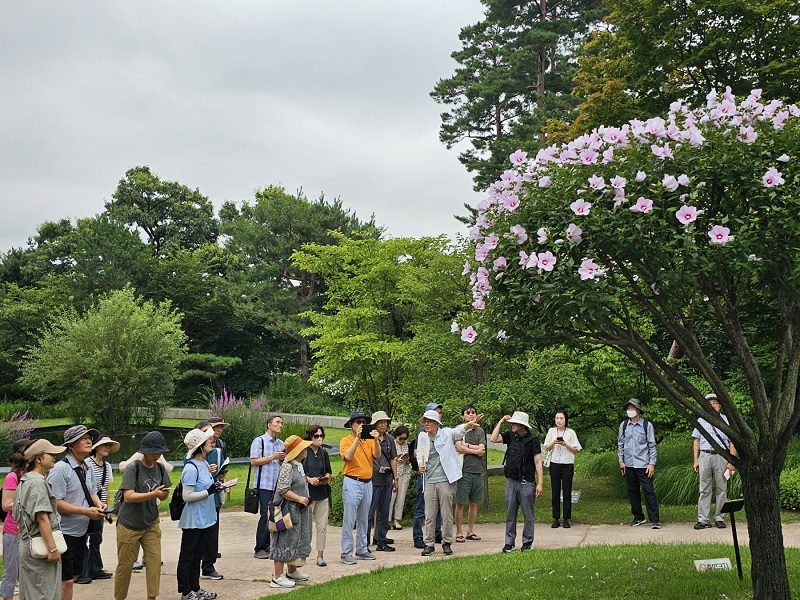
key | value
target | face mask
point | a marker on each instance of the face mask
(631, 413)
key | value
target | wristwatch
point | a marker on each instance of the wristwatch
(53, 550)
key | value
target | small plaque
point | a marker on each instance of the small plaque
(713, 564)
(576, 495)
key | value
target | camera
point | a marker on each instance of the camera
(383, 470)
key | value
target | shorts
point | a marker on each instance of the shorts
(469, 488)
(72, 559)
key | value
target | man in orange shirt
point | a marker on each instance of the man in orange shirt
(357, 454)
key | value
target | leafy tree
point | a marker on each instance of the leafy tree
(682, 228)
(514, 75)
(115, 365)
(271, 291)
(167, 212)
(653, 52)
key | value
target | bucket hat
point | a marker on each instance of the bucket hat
(76, 432)
(520, 418)
(107, 440)
(196, 438)
(355, 415)
(380, 416)
(634, 403)
(431, 415)
(293, 446)
(154, 443)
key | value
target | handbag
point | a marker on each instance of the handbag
(251, 494)
(546, 458)
(39, 547)
(278, 514)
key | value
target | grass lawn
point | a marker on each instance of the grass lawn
(604, 572)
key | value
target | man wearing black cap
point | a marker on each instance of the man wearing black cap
(636, 444)
(76, 500)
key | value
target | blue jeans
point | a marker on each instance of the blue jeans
(519, 494)
(419, 514)
(356, 497)
(381, 501)
(262, 533)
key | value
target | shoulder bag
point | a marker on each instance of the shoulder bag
(278, 514)
(251, 494)
(39, 547)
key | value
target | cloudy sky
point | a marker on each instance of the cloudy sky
(330, 96)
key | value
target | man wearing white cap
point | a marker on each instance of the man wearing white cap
(711, 464)
(441, 471)
(523, 462)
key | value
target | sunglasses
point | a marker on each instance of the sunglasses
(318, 436)
(401, 439)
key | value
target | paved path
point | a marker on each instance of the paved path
(247, 578)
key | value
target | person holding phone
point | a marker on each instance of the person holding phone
(403, 476)
(145, 483)
(562, 444)
(317, 465)
(357, 453)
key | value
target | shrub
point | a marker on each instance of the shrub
(17, 427)
(790, 489)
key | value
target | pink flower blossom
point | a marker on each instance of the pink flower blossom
(608, 155)
(533, 262)
(474, 233)
(618, 182)
(545, 181)
(581, 207)
(686, 214)
(523, 259)
(574, 233)
(643, 205)
(482, 274)
(670, 183)
(661, 152)
(773, 177)
(499, 264)
(720, 234)
(511, 202)
(502, 335)
(747, 134)
(481, 252)
(588, 156)
(469, 334)
(509, 177)
(589, 269)
(683, 180)
(543, 233)
(546, 261)
(783, 158)
(518, 158)
(491, 241)
(454, 328)
(596, 182)
(640, 176)
(467, 268)
(519, 232)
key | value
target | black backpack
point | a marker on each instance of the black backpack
(177, 502)
(514, 459)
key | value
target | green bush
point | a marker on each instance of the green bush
(336, 513)
(790, 489)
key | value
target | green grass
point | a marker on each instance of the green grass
(603, 572)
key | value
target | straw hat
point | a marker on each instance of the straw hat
(107, 440)
(196, 438)
(42, 447)
(520, 418)
(293, 446)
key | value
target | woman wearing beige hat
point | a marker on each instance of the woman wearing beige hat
(103, 476)
(36, 514)
(292, 547)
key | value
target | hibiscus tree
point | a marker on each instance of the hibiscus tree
(707, 256)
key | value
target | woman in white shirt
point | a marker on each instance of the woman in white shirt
(563, 445)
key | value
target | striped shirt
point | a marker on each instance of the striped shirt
(102, 490)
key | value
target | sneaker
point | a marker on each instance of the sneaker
(385, 548)
(202, 594)
(447, 549)
(261, 554)
(526, 548)
(321, 562)
(365, 556)
(297, 576)
(637, 522)
(281, 582)
(137, 566)
(719, 524)
(428, 551)
(212, 575)
(348, 560)
(655, 525)
(389, 541)
(189, 596)
(418, 543)
(700, 525)
(102, 575)
(508, 548)
(83, 579)
(566, 524)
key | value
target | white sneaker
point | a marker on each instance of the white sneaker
(281, 582)
(297, 576)
(189, 596)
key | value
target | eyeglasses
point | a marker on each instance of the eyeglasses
(318, 436)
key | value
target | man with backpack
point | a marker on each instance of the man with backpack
(636, 444)
(523, 462)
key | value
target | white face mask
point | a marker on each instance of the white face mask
(631, 413)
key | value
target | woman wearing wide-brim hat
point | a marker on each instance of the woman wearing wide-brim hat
(292, 547)
(36, 515)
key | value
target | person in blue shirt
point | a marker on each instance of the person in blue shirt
(266, 453)
(636, 444)
(198, 516)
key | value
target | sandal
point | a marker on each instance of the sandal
(473, 537)
(397, 527)
(460, 538)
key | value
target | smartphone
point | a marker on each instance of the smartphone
(560, 439)
(108, 510)
(366, 429)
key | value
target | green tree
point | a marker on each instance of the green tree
(514, 74)
(167, 212)
(115, 365)
(688, 232)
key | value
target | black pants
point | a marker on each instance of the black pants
(561, 479)
(633, 479)
(212, 548)
(193, 547)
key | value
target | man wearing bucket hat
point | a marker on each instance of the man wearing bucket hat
(523, 462)
(636, 450)
(419, 511)
(357, 454)
(103, 476)
(384, 482)
(74, 488)
(441, 471)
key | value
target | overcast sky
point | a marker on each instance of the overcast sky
(326, 95)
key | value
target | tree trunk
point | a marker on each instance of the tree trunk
(760, 484)
(305, 371)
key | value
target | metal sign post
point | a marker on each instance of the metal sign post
(731, 507)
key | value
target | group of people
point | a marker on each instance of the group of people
(56, 507)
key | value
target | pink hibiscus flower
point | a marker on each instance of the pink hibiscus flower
(720, 235)
(686, 214)
(581, 207)
(643, 205)
(772, 177)
(546, 261)
(469, 334)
